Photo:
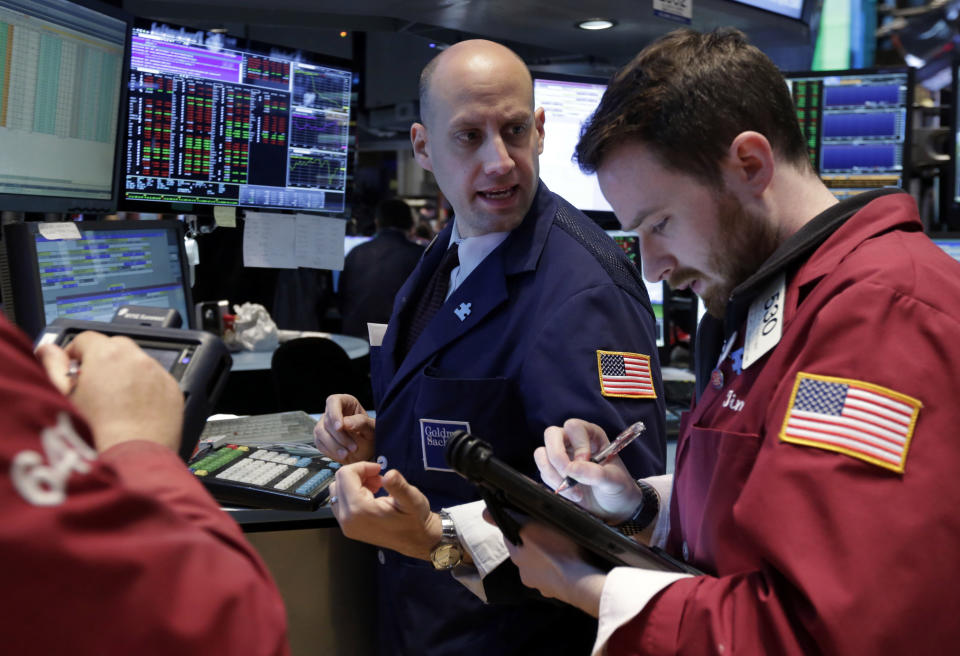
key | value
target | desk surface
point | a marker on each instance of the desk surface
(256, 360)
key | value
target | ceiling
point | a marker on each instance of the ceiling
(397, 35)
(542, 31)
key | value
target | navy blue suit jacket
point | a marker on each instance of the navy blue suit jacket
(512, 351)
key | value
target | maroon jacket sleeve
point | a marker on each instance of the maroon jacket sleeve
(124, 553)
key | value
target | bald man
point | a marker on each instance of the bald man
(536, 299)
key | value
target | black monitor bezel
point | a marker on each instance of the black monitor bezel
(908, 118)
(21, 268)
(206, 209)
(68, 204)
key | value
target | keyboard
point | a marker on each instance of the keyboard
(264, 461)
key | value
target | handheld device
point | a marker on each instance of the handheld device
(508, 492)
(197, 360)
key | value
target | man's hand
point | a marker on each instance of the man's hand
(345, 432)
(122, 392)
(402, 521)
(551, 563)
(607, 491)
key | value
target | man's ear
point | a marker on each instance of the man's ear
(538, 120)
(418, 137)
(749, 164)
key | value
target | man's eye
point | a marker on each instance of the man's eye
(518, 130)
(659, 227)
(467, 136)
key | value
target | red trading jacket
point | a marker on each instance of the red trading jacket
(817, 550)
(121, 554)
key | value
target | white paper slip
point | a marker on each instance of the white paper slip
(764, 321)
(319, 242)
(59, 230)
(375, 332)
(225, 216)
(268, 241)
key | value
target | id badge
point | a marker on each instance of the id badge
(434, 434)
(765, 321)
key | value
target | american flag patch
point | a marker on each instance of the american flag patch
(860, 419)
(625, 374)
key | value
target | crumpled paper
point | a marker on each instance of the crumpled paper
(254, 329)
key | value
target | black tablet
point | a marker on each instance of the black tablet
(504, 488)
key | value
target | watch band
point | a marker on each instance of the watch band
(448, 553)
(645, 513)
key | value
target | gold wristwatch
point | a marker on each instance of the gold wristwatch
(448, 553)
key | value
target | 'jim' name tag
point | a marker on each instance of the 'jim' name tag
(434, 434)
(765, 321)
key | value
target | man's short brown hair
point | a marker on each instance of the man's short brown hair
(687, 96)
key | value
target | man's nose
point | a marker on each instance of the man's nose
(496, 158)
(657, 265)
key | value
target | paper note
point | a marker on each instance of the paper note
(319, 242)
(225, 216)
(375, 333)
(268, 241)
(59, 230)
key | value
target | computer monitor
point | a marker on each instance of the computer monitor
(113, 263)
(567, 102)
(62, 71)
(212, 120)
(630, 243)
(857, 126)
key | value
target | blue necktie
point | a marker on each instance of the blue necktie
(433, 296)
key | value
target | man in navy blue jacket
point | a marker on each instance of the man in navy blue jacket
(544, 319)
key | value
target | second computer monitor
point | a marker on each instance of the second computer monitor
(48, 272)
(568, 101)
(630, 243)
(857, 126)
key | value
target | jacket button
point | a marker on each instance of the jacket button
(382, 558)
(686, 551)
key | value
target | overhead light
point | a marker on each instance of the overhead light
(219, 30)
(596, 24)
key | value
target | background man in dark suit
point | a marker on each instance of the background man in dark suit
(373, 272)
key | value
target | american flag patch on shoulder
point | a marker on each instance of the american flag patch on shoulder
(860, 419)
(626, 375)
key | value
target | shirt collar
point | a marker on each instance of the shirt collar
(472, 251)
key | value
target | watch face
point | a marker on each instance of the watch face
(446, 556)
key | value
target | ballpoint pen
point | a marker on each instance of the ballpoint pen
(629, 434)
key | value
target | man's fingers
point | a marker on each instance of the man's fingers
(556, 450)
(583, 437)
(56, 362)
(353, 479)
(407, 497)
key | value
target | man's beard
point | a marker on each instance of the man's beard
(743, 243)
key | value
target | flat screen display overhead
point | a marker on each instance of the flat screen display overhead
(857, 126)
(567, 102)
(210, 122)
(61, 67)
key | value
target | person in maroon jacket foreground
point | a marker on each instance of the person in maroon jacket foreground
(816, 477)
(109, 544)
